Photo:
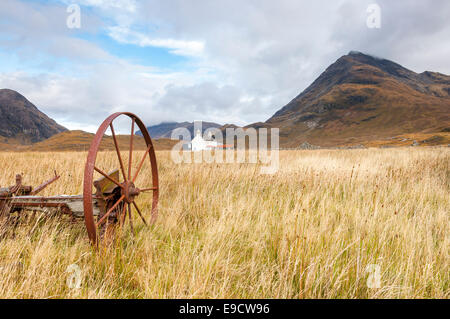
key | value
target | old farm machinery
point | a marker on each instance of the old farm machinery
(106, 201)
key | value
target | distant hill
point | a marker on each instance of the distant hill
(164, 130)
(21, 122)
(81, 141)
(361, 98)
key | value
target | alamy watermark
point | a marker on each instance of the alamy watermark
(74, 19)
(374, 16)
(241, 146)
(374, 278)
(74, 279)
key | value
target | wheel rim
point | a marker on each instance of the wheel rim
(128, 189)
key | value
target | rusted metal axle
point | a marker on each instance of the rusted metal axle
(19, 198)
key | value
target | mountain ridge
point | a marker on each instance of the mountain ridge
(22, 122)
(164, 129)
(361, 98)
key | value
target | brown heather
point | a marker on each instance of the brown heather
(225, 231)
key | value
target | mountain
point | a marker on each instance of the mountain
(164, 130)
(362, 98)
(21, 122)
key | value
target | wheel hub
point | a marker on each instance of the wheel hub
(130, 191)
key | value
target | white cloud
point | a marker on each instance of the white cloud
(127, 5)
(125, 35)
(38, 30)
(85, 98)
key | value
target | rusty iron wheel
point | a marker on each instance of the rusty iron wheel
(128, 190)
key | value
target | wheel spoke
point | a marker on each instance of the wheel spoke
(110, 210)
(139, 213)
(122, 217)
(130, 219)
(131, 149)
(108, 177)
(148, 189)
(141, 163)
(118, 151)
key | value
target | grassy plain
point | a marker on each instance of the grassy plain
(315, 229)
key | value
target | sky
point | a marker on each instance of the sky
(183, 60)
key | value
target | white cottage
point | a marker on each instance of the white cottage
(198, 143)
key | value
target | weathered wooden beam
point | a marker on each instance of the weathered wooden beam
(67, 203)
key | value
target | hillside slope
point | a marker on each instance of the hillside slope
(81, 141)
(21, 122)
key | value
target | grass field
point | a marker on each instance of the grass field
(318, 228)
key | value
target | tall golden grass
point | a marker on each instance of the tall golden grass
(224, 231)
